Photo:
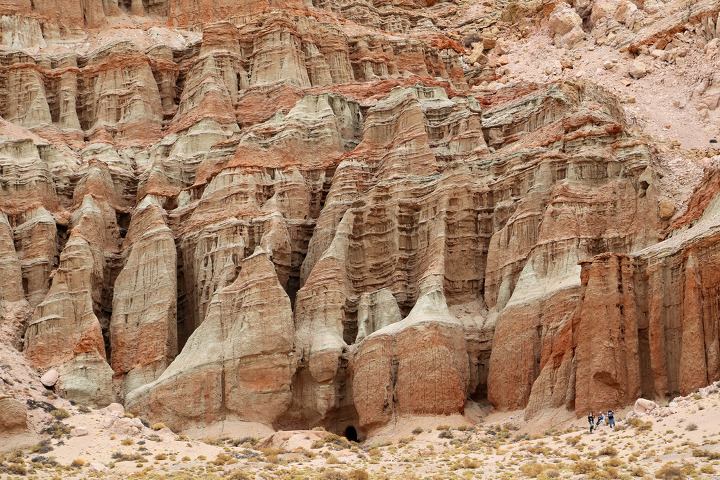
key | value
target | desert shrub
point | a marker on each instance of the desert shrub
(550, 473)
(334, 475)
(45, 462)
(573, 440)
(584, 467)
(83, 409)
(222, 459)
(417, 431)
(160, 456)
(128, 457)
(158, 426)
(640, 425)
(127, 441)
(333, 460)
(359, 475)
(709, 469)
(442, 427)
(608, 451)
(670, 471)
(17, 469)
(239, 475)
(60, 413)
(532, 469)
(691, 427)
(446, 434)
(249, 440)
(637, 472)
(43, 447)
(77, 463)
(599, 475)
(613, 462)
(57, 430)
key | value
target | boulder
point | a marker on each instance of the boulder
(644, 406)
(50, 378)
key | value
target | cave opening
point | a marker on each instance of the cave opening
(351, 434)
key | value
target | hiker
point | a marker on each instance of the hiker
(600, 419)
(611, 418)
(591, 421)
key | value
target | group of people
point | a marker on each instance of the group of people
(600, 419)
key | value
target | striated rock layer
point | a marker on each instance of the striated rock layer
(295, 217)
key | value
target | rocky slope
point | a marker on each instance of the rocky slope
(330, 214)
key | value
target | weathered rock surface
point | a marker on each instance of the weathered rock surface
(301, 214)
(238, 363)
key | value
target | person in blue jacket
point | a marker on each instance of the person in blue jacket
(600, 419)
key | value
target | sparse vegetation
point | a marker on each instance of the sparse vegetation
(60, 413)
(670, 471)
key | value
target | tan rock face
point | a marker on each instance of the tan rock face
(143, 327)
(238, 363)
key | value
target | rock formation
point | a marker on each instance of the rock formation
(311, 213)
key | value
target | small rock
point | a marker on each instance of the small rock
(502, 48)
(637, 70)
(489, 43)
(651, 7)
(663, 412)
(608, 65)
(50, 378)
(98, 467)
(114, 410)
(79, 431)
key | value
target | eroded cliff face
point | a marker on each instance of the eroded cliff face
(297, 218)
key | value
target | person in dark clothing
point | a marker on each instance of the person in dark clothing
(611, 418)
(591, 421)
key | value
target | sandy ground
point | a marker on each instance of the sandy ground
(105, 443)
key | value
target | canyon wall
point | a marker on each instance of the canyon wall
(304, 215)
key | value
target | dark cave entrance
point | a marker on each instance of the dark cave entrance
(351, 434)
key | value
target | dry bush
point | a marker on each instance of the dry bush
(334, 475)
(608, 451)
(532, 469)
(584, 467)
(670, 471)
(60, 413)
(359, 475)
